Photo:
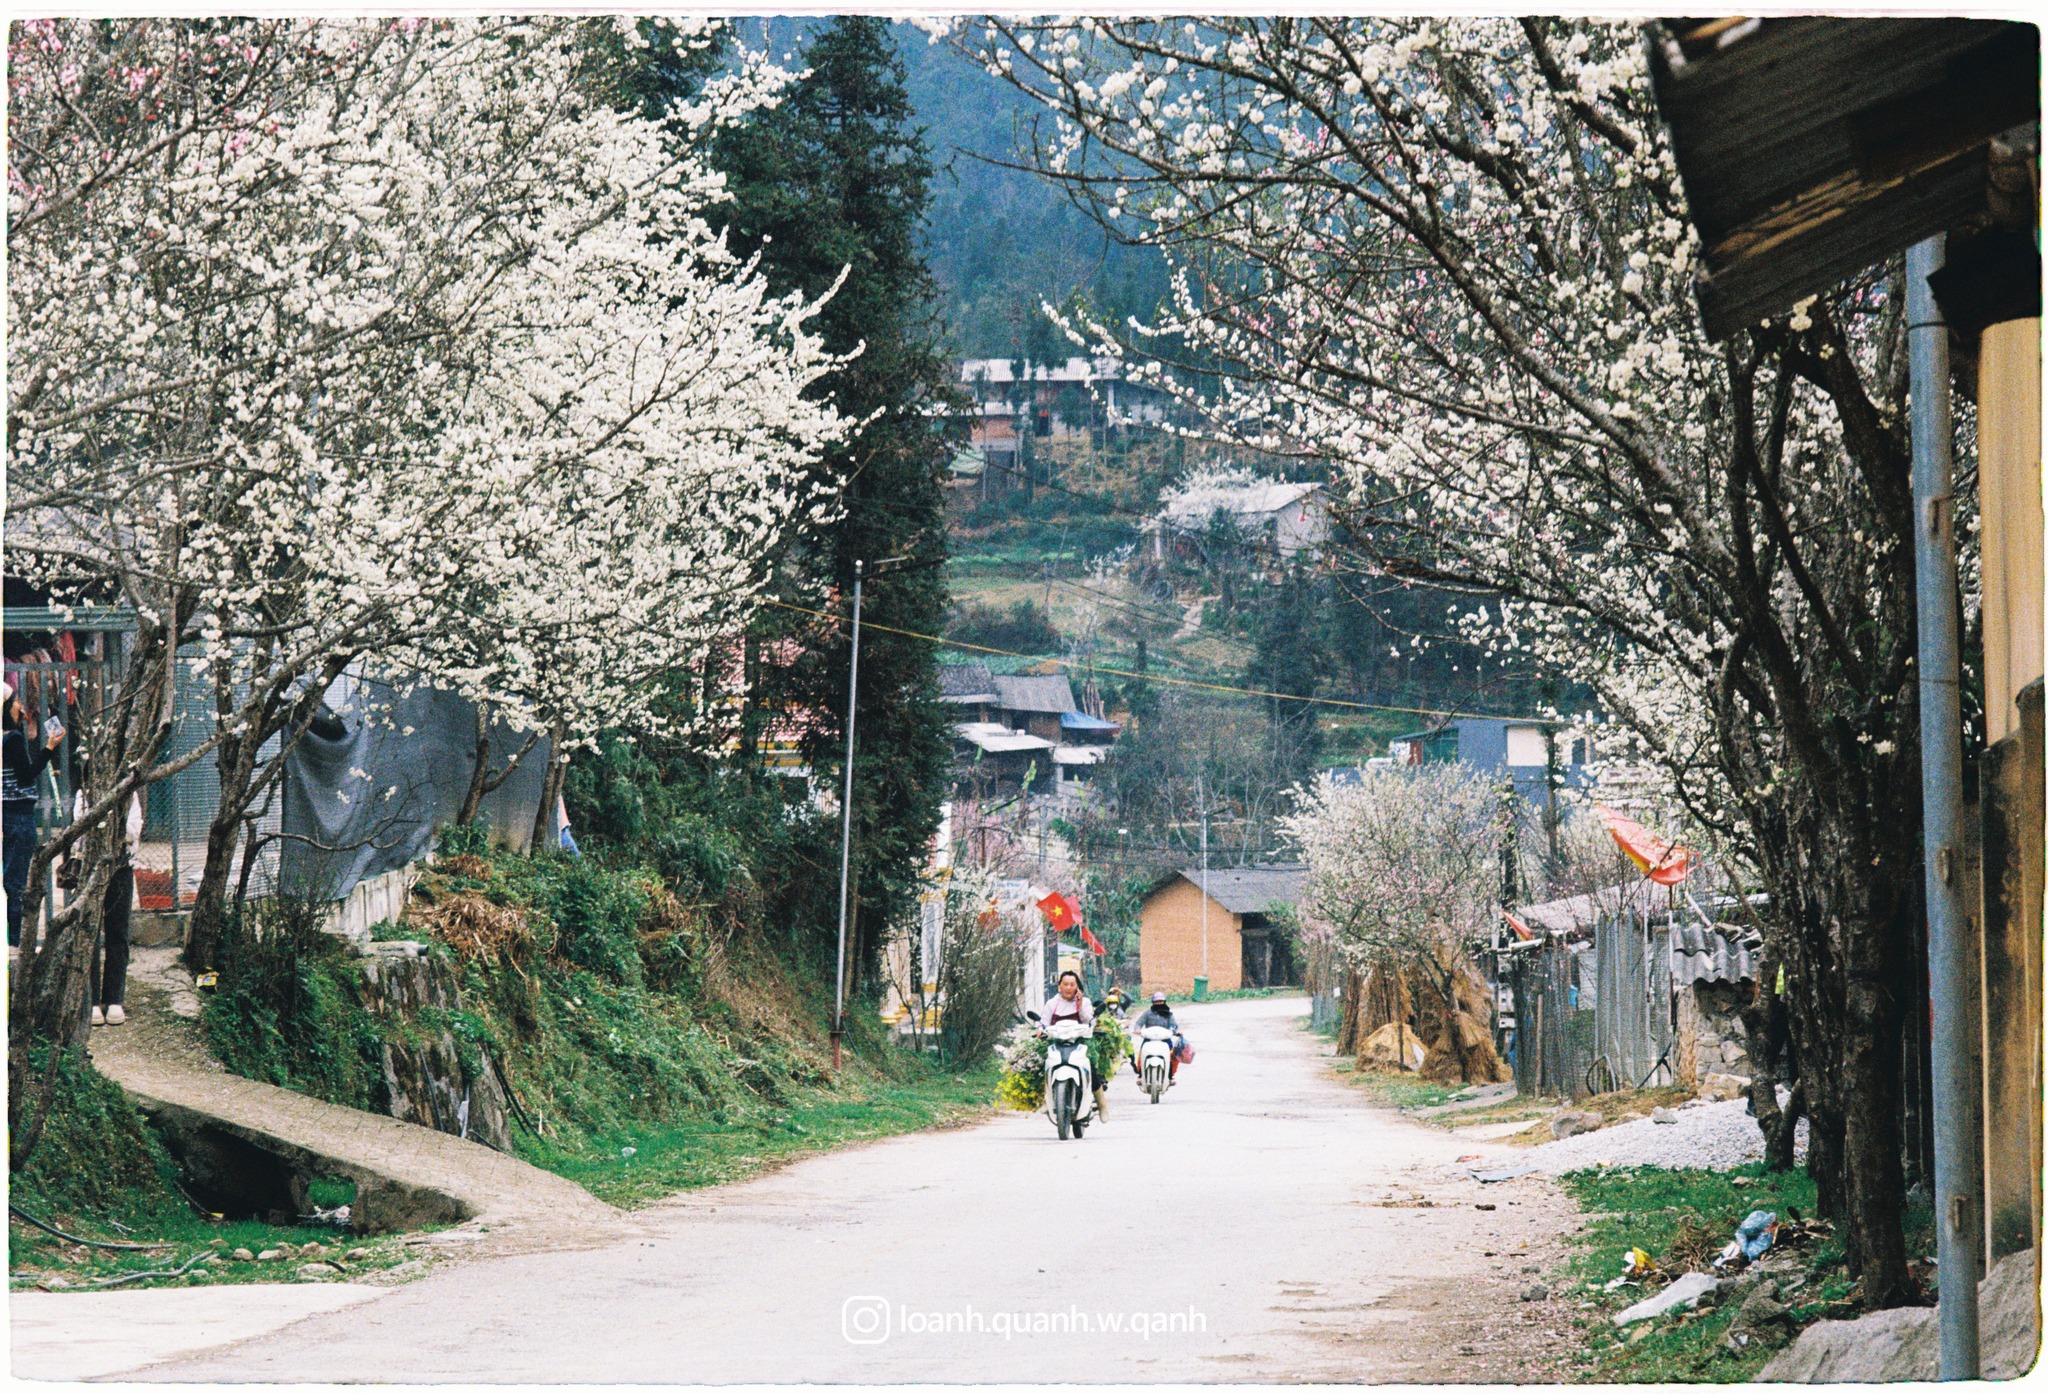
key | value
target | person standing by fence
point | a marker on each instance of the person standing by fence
(107, 984)
(22, 761)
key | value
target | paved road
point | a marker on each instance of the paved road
(1262, 1219)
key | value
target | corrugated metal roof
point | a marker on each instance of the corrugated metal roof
(1019, 694)
(1699, 954)
(1575, 912)
(1250, 890)
(1081, 721)
(997, 739)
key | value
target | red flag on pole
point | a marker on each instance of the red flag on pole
(1092, 942)
(1060, 913)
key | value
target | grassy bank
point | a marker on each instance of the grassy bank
(1681, 1218)
(650, 1040)
(100, 1173)
(635, 1166)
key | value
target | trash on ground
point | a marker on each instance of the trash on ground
(1753, 1238)
(1685, 1292)
(1503, 1174)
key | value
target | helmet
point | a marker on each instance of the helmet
(1158, 999)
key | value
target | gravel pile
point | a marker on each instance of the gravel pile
(1711, 1136)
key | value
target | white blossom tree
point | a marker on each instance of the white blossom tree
(1452, 258)
(1404, 867)
(339, 341)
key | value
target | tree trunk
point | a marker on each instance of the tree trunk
(223, 835)
(550, 787)
(473, 798)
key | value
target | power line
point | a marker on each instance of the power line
(1092, 666)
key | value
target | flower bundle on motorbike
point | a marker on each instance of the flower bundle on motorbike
(1022, 1085)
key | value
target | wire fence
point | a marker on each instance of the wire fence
(177, 812)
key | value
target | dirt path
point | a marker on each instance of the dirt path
(1272, 1227)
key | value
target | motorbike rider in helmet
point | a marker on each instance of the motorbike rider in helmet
(1161, 1014)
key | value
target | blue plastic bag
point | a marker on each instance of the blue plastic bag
(1756, 1233)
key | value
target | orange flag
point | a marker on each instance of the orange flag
(1657, 859)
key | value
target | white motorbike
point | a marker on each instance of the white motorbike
(1155, 1060)
(1069, 1077)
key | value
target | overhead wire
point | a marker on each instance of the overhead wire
(1162, 679)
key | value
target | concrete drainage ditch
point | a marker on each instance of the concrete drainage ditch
(245, 1172)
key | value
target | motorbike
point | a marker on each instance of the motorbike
(1069, 1077)
(1155, 1060)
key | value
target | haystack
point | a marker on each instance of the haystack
(1394, 1046)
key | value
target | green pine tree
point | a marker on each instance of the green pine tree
(836, 179)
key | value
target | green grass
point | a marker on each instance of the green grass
(100, 1173)
(703, 1151)
(1241, 994)
(1400, 1091)
(1644, 1207)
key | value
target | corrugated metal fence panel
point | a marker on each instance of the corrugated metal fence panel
(1633, 1012)
(1553, 1035)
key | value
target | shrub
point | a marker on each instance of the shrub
(1024, 628)
(597, 914)
(288, 1010)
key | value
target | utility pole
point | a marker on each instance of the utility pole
(1958, 1176)
(846, 826)
(1201, 794)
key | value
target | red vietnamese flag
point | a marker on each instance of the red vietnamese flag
(1060, 913)
(1092, 942)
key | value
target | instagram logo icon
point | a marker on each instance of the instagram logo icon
(865, 1320)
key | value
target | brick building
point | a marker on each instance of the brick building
(1245, 949)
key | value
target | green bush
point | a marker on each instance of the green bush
(597, 913)
(288, 1007)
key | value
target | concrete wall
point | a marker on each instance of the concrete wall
(1170, 942)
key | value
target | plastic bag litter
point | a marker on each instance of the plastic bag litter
(1753, 1238)
(1639, 1266)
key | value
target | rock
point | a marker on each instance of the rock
(353, 1255)
(1686, 1292)
(1762, 1308)
(316, 1270)
(1532, 1268)
(1535, 1294)
(1905, 1342)
(1719, 1086)
(1482, 1205)
(1569, 1124)
(1663, 1115)
(244, 1255)
(198, 1275)
(1731, 1051)
(313, 1251)
(268, 1256)
(1392, 1047)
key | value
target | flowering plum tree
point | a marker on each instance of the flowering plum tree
(1404, 866)
(1452, 258)
(340, 341)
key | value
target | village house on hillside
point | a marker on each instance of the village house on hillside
(1081, 398)
(1292, 519)
(1228, 936)
(1495, 746)
(1016, 722)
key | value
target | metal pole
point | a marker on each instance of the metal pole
(846, 826)
(1203, 795)
(1958, 1182)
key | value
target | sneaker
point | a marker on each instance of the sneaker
(99, 1018)
(115, 1016)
